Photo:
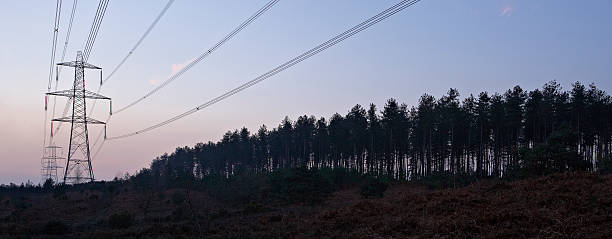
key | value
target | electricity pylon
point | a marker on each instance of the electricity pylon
(78, 164)
(49, 163)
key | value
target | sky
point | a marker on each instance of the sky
(471, 45)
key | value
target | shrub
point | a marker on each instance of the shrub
(56, 228)
(178, 197)
(557, 154)
(48, 185)
(605, 166)
(179, 213)
(290, 185)
(161, 195)
(300, 185)
(21, 202)
(120, 220)
(241, 188)
(441, 180)
(373, 187)
(59, 191)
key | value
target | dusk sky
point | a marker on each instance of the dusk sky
(471, 45)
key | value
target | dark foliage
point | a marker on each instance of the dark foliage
(442, 180)
(120, 220)
(55, 227)
(446, 142)
(48, 185)
(178, 197)
(605, 166)
(292, 185)
(307, 185)
(373, 187)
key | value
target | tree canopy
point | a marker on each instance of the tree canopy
(489, 135)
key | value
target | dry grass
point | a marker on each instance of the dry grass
(577, 205)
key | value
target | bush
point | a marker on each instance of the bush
(59, 191)
(48, 185)
(373, 188)
(557, 154)
(550, 158)
(241, 188)
(605, 166)
(178, 197)
(56, 228)
(21, 202)
(120, 220)
(290, 185)
(441, 180)
(300, 185)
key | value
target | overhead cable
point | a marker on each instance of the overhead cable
(335, 40)
(58, 9)
(58, 70)
(159, 16)
(95, 27)
(203, 55)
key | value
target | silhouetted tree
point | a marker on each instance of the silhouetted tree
(539, 131)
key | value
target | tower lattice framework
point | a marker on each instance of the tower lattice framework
(49, 162)
(78, 164)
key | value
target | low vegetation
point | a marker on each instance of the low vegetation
(570, 204)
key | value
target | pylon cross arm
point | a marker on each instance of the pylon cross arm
(78, 119)
(55, 157)
(79, 64)
(79, 94)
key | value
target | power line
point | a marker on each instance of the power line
(337, 39)
(64, 114)
(58, 9)
(203, 55)
(69, 30)
(159, 16)
(95, 27)
(93, 32)
(100, 134)
(58, 70)
(196, 61)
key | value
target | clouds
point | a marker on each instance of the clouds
(177, 67)
(174, 68)
(507, 10)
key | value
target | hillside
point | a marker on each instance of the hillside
(570, 205)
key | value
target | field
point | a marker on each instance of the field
(571, 205)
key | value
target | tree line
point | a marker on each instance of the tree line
(489, 135)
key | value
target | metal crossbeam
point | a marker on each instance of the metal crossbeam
(79, 119)
(78, 64)
(80, 93)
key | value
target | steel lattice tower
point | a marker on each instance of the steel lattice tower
(49, 163)
(78, 164)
